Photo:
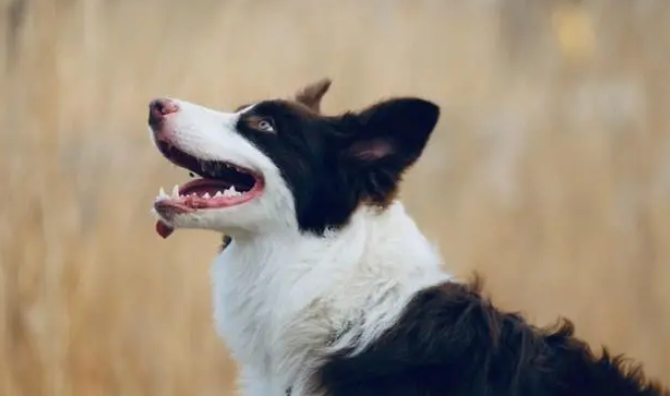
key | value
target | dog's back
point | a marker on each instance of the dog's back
(452, 341)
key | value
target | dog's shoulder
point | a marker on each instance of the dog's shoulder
(451, 340)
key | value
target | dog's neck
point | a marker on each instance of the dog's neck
(279, 297)
(382, 235)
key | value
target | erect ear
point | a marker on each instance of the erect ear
(390, 136)
(311, 95)
(394, 132)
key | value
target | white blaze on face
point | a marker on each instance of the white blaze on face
(210, 135)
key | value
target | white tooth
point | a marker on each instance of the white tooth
(218, 194)
(206, 196)
(161, 195)
(175, 192)
(231, 192)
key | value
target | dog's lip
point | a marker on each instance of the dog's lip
(214, 184)
(183, 159)
(191, 199)
(169, 208)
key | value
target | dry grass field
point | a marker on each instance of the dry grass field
(549, 172)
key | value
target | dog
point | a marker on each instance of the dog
(325, 285)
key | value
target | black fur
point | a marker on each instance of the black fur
(225, 241)
(450, 341)
(333, 164)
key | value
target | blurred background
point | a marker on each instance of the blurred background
(549, 172)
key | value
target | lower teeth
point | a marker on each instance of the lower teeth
(230, 192)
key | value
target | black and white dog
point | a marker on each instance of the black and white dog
(326, 285)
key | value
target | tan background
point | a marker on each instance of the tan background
(549, 172)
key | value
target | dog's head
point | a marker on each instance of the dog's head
(279, 164)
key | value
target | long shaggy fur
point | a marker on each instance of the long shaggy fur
(452, 341)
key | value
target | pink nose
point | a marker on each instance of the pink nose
(159, 108)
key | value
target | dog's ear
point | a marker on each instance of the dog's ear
(389, 137)
(312, 94)
(393, 133)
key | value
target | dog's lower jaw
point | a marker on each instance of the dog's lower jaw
(199, 220)
(260, 218)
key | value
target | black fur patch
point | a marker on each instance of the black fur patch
(450, 341)
(225, 241)
(332, 164)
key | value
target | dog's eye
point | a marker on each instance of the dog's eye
(265, 125)
(259, 123)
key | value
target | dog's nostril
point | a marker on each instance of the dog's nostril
(164, 106)
(158, 108)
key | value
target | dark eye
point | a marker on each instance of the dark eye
(265, 125)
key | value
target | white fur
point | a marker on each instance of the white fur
(280, 295)
(279, 298)
(210, 135)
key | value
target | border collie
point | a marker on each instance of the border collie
(325, 285)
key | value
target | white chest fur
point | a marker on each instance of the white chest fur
(280, 298)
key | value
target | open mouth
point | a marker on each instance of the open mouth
(221, 184)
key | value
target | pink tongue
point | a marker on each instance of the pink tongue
(163, 229)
